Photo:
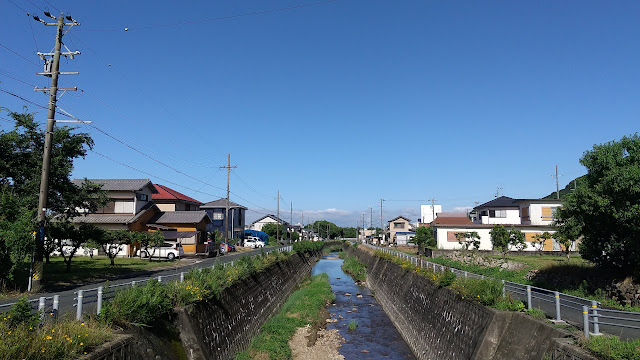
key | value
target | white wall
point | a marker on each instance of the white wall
(485, 238)
(512, 218)
(535, 213)
(426, 212)
(258, 226)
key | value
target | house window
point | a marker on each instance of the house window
(124, 207)
(547, 212)
(143, 197)
(218, 216)
(498, 213)
(398, 225)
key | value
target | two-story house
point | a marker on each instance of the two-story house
(399, 224)
(216, 210)
(168, 199)
(267, 219)
(531, 216)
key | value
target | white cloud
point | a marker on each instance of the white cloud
(461, 209)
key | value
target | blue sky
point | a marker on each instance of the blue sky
(339, 103)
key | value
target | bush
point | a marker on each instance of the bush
(485, 291)
(301, 247)
(356, 269)
(140, 305)
(21, 313)
(536, 313)
(352, 325)
(612, 348)
(509, 304)
(446, 278)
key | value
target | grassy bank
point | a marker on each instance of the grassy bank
(356, 269)
(302, 308)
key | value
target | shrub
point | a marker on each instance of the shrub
(612, 348)
(509, 304)
(307, 246)
(352, 325)
(21, 313)
(356, 269)
(485, 291)
(140, 305)
(536, 313)
(446, 278)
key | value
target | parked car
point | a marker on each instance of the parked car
(253, 242)
(231, 247)
(166, 250)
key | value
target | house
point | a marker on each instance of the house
(168, 199)
(399, 224)
(403, 238)
(130, 205)
(429, 212)
(186, 227)
(267, 219)
(216, 210)
(531, 216)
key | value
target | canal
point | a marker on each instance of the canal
(374, 337)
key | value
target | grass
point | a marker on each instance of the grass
(352, 325)
(356, 269)
(63, 339)
(302, 308)
(612, 348)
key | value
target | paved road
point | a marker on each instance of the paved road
(67, 297)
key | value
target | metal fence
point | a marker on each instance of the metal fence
(583, 313)
(90, 301)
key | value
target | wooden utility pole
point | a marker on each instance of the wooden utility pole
(291, 233)
(381, 226)
(557, 184)
(226, 214)
(51, 69)
(433, 209)
(278, 221)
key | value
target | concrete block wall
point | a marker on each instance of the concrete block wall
(438, 325)
(220, 329)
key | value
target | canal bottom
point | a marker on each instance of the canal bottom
(375, 337)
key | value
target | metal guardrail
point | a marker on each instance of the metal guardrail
(592, 315)
(98, 295)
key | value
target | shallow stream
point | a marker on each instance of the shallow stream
(375, 337)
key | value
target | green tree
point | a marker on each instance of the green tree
(517, 239)
(605, 206)
(272, 229)
(150, 240)
(567, 231)
(423, 238)
(468, 239)
(500, 239)
(114, 241)
(21, 152)
(540, 239)
(68, 239)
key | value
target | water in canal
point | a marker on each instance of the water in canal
(375, 337)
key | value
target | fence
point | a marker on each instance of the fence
(91, 300)
(584, 313)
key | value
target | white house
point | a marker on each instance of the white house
(429, 212)
(267, 219)
(531, 216)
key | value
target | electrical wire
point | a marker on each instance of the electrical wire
(218, 18)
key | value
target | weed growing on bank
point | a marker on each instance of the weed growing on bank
(612, 348)
(356, 269)
(301, 309)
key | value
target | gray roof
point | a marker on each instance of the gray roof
(502, 201)
(179, 217)
(221, 204)
(400, 217)
(120, 184)
(113, 218)
(275, 218)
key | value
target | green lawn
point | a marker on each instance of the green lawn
(85, 269)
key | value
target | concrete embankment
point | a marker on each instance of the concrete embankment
(438, 325)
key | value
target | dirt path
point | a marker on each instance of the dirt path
(325, 346)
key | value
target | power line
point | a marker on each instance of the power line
(19, 55)
(218, 18)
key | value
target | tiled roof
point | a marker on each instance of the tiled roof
(167, 193)
(120, 184)
(221, 204)
(451, 220)
(400, 217)
(113, 218)
(179, 217)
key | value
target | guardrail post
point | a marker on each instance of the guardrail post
(133, 283)
(466, 274)
(557, 297)
(99, 302)
(504, 291)
(182, 276)
(585, 320)
(79, 307)
(56, 306)
(529, 304)
(41, 304)
(159, 278)
(596, 326)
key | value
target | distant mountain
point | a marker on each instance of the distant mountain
(567, 189)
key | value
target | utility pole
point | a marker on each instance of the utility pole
(433, 209)
(51, 69)
(302, 223)
(371, 219)
(557, 184)
(278, 221)
(291, 233)
(381, 227)
(364, 229)
(226, 214)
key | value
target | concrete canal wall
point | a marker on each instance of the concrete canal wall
(439, 325)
